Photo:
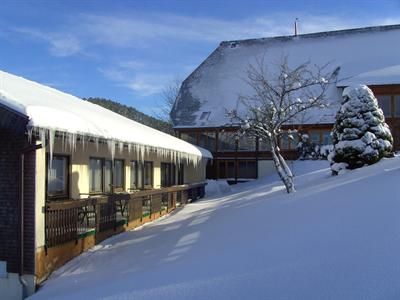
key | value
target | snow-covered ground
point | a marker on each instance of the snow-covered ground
(335, 238)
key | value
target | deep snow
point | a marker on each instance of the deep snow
(335, 238)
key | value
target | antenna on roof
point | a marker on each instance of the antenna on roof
(296, 21)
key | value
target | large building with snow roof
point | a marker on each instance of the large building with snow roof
(73, 173)
(365, 56)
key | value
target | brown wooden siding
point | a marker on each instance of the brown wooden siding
(214, 168)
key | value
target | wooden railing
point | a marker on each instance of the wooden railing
(67, 220)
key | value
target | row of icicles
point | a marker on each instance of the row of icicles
(69, 145)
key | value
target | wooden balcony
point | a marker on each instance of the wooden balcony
(69, 220)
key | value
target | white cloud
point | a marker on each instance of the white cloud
(148, 29)
(65, 45)
(60, 44)
(135, 76)
(151, 32)
(146, 86)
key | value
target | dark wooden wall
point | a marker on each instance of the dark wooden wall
(11, 146)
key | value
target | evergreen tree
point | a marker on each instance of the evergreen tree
(360, 135)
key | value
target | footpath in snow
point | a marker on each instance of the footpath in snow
(335, 238)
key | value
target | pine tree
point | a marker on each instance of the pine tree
(133, 114)
(360, 135)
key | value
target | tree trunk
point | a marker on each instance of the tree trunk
(284, 165)
(282, 169)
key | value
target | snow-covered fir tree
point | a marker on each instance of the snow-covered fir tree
(360, 135)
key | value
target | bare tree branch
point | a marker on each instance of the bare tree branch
(169, 95)
(280, 97)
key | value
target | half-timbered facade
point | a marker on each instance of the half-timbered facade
(200, 111)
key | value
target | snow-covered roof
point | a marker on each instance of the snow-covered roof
(365, 56)
(387, 75)
(53, 110)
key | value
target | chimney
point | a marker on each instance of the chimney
(296, 26)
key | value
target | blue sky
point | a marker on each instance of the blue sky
(129, 51)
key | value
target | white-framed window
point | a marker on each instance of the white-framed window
(57, 177)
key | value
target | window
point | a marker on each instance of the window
(289, 141)
(247, 169)
(189, 137)
(226, 141)
(320, 137)
(148, 174)
(385, 104)
(247, 143)
(284, 141)
(221, 169)
(207, 140)
(226, 168)
(205, 115)
(57, 177)
(315, 137)
(230, 169)
(397, 105)
(108, 176)
(173, 174)
(96, 175)
(181, 174)
(136, 181)
(119, 173)
(326, 138)
(264, 145)
(167, 174)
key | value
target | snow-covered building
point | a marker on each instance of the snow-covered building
(365, 56)
(73, 173)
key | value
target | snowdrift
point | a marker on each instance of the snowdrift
(335, 238)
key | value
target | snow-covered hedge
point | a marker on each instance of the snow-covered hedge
(360, 135)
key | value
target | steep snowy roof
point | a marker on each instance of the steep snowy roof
(53, 110)
(365, 56)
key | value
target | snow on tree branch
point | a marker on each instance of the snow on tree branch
(281, 95)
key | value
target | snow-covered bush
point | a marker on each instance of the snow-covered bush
(305, 148)
(322, 151)
(309, 150)
(216, 187)
(360, 135)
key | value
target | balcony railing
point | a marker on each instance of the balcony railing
(69, 220)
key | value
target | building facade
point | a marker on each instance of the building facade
(65, 186)
(200, 111)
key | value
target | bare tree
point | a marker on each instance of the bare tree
(280, 98)
(169, 95)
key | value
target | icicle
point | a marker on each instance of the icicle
(69, 141)
(30, 132)
(111, 148)
(121, 147)
(52, 134)
(83, 142)
(142, 152)
(61, 136)
(72, 142)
